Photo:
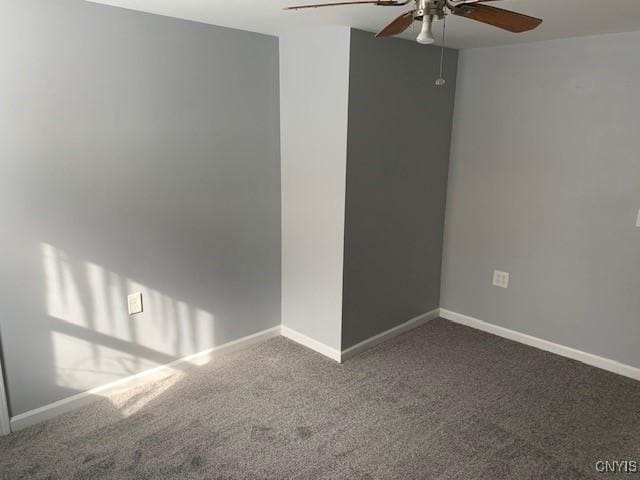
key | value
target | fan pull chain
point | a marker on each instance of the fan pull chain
(441, 81)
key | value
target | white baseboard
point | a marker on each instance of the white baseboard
(71, 403)
(392, 332)
(584, 357)
(308, 342)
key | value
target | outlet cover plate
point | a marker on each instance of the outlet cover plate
(500, 279)
(134, 302)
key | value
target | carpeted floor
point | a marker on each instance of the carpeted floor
(441, 402)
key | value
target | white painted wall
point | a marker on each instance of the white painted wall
(544, 183)
(314, 88)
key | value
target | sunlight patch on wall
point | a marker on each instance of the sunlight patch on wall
(63, 299)
(94, 339)
(82, 365)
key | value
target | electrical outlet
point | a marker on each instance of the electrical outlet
(134, 302)
(500, 279)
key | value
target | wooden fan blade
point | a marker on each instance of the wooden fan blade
(397, 25)
(498, 17)
(384, 3)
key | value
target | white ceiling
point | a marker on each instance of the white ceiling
(562, 18)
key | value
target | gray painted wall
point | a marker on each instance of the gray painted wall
(545, 184)
(314, 87)
(138, 153)
(397, 161)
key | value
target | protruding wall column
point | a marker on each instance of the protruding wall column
(314, 90)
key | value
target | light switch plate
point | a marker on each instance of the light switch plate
(500, 279)
(638, 219)
(134, 302)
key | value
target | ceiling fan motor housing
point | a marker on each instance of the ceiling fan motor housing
(433, 8)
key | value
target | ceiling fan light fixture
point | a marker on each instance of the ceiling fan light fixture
(426, 33)
(428, 10)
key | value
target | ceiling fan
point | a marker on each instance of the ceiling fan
(426, 11)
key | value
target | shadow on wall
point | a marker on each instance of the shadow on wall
(95, 341)
(77, 334)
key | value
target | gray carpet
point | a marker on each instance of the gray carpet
(441, 402)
